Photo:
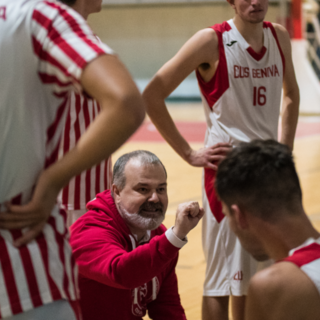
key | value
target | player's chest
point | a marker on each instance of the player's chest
(245, 65)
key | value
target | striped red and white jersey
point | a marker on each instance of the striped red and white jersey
(307, 258)
(242, 100)
(82, 188)
(44, 47)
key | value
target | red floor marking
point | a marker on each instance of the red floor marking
(195, 131)
(305, 129)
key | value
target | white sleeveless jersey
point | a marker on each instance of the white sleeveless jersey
(44, 47)
(242, 100)
(307, 258)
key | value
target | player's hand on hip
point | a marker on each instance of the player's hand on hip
(187, 217)
(32, 215)
(209, 157)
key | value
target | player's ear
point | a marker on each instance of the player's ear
(240, 217)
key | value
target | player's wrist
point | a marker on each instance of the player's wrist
(188, 155)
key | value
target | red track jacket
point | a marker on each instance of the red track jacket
(119, 279)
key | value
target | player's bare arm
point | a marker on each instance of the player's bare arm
(122, 111)
(291, 97)
(273, 295)
(200, 52)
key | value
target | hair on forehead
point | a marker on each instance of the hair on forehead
(143, 156)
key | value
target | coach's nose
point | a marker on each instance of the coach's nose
(154, 197)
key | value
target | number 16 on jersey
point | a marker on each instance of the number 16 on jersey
(259, 97)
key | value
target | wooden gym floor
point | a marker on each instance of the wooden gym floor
(184, 184)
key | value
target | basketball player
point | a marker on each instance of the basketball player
(261, 197)
(46, 51)
(83, 110)
(241, 66)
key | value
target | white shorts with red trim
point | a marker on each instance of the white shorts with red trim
(229, 266)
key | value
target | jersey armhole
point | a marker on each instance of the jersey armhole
(270, 25)
(219, 83)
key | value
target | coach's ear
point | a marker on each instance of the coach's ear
(240, 217)
(115, 193)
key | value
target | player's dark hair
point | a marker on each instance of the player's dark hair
(68, 2)
(261, 177)
(145, 158)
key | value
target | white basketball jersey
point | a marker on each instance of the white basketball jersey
(44, 47)
(242, 100)
(307, 258)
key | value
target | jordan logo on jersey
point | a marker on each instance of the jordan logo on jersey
(3, 13)
(231, 43)
(238, 276)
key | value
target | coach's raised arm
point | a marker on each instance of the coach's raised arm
(126, 257)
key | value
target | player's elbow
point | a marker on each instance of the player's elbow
(294, 96)
(136, 107)
(152, 95)
(129, 105)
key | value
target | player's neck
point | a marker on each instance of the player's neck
(251, 32)
(287, 235)
(81, 8)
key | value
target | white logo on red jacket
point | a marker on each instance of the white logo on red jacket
(143, 295)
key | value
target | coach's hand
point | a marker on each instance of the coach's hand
(209, 157)
(34, 214)
(187, 217)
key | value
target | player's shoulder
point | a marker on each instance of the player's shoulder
(281, 279)
(211, 33)
(269, 280)
(206, 36)
(203, 44)
(282, 33)
(283, 38)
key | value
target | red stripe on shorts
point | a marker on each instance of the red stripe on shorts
(214, 203)
(42, 243)
(29, 271)
(60, 241)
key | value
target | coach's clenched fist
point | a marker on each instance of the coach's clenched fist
(187, 217)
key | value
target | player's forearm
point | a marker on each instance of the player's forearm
(158, 113)
(289, 119)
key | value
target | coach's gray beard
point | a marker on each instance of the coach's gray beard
(139, 221)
